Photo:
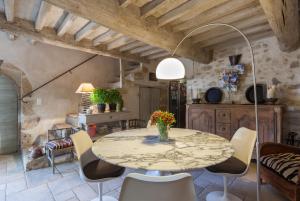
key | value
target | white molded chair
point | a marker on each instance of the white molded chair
(243, 142)
(138, 187)
(91, 168)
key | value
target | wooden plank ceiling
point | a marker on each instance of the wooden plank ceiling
(145, 30)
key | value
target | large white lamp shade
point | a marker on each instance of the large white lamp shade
(170, 69)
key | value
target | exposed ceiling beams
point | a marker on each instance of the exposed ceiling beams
(159, 7)
(241, 24)
(190, 8)
(215, 14)
(66, 24)
(283, 17)
(127, 23)
(49, 36)
(143, 30)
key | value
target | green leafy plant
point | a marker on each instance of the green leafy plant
(99, 96)
(114, 96)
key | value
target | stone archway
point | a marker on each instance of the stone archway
(22, 85)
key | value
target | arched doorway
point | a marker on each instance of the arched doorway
(8, 116)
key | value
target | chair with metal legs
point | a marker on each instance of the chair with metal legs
(91, 168)
(243, 142)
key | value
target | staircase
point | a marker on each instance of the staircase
(129, 72)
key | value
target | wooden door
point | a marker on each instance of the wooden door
(8, 116)
(246, 118)
(202, 119)
(149, 102)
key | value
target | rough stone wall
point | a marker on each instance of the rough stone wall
(273, 66)
(32, 65)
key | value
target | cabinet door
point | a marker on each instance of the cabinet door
(202, 119)
(224, 130)
(266, 120)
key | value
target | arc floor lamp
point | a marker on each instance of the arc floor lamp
(178, 72)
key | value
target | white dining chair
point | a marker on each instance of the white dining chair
(243, 142)
(139, 187)
(91, 168)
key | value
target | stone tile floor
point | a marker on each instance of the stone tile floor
(66, 185)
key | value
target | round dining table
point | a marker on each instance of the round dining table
(185, 150)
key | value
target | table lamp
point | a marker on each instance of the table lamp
(85, 89)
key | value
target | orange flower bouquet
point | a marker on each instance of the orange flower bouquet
(163, 121)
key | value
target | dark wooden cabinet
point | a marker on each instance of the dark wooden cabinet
(224, 120)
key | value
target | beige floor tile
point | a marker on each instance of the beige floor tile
(64, 196)
(16, 186)
(41, 176)
(65, 183)
(84, 192)
(39, 193)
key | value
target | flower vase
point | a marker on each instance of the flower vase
(163, 131)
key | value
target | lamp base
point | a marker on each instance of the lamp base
(105, 198)
(219, 196)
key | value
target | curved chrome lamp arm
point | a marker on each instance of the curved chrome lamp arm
(254, 84)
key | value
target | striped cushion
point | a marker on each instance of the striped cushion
(285, 164)
(60, 144)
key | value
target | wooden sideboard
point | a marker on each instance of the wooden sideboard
(225, 119)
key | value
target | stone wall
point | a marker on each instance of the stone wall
(273, 67)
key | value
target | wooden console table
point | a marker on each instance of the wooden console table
(106, 117)
(225, 119)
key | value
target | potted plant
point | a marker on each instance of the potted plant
(114, 97)
(99, 97)
(163, 122)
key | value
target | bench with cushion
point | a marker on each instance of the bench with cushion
(280, 167)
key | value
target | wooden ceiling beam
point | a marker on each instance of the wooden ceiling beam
(159, 55)
(241, 41)
(86, 30)
(107, 37)
(214, 14)
(9, 9)
(132, 45)
(256, 29)
(139, 3)
(151, 51)
(221, 30)
(140, 49)
(66, 24)
(44, 10)
(229, 19)
(97, 32)
(119, 42)
(159, 7)
(191, 8)
(49, 36)
(132, 25)
(124, 3)
(283, 17)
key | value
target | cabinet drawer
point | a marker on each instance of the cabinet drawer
(223, 129)
(223, 116)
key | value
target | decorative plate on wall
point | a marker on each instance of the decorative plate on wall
(213, 95)
(261, 93)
